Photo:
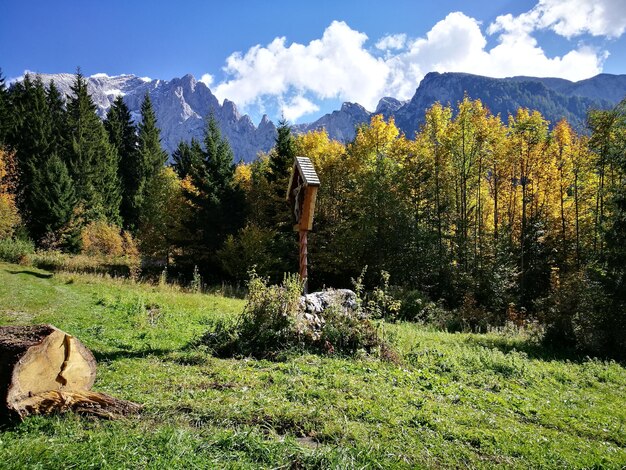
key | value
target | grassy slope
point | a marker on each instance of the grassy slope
(456, 400)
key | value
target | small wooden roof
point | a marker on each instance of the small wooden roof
(305, 168)
(307, 171)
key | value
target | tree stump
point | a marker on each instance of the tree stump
(45, 370)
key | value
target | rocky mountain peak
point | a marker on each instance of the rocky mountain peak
(181, 104)
(387, 106)
(353, 108)
(230, 110)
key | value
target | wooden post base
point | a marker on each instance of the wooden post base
(303, 260)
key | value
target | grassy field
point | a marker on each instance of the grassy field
(455, 400)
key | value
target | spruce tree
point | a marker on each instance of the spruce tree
(92, 161)
(197, 155)
(182, 159)
(4, 110)
(14, 115)
(187, 157)
(219, 204)
(58, 120)
(279, 215)
(218, 164)
(283, 154)
(151, 156)
(30, 135)
(53, 198)
(123, 137)
(613, 320)
(280, 166)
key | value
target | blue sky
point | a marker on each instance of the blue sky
(305, 58)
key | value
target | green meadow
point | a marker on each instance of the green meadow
(453, 400)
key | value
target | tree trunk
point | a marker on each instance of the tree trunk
(44, 370)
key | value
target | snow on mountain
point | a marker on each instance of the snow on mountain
(180, 105)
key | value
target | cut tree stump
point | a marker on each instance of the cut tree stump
(44, 370)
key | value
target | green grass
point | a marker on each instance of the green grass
(456, 400)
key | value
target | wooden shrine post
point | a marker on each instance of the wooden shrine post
(302, 194)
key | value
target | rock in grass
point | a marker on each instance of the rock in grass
(317, 302)
(312, 307)
(45, 370)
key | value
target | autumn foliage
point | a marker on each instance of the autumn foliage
(488, 218)
(9, 215)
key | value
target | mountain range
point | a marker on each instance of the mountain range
(182, 103)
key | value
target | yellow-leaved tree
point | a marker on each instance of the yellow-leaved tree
(9, 214)
(165, 212)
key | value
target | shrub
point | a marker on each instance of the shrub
(436, 314)
(54, 260)
(472, 316)
(100, 238)
(252, 246)
(351, 333)
(582, 313)
(267, 324)
(274, 321)
(380, 302)
(15, 251)
(9, 216)
(131, 255)
(413, 306)
(129, 247)
(196, 281)
(66, 238)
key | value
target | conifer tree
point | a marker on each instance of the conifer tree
(30, 134)
(150, 158)
(218, 202)
(197, 155)
(53, 198)
(58, 120)
(123, 137)
(281, 160)
(4, 109)
(283, 154)
(92, 161)
(613, 322)
(218, 166)
(186, 157)
(279, 215)
(14, 117)
(37, 132)
(152, 155)
(182, 159)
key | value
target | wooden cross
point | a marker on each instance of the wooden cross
(302, 194)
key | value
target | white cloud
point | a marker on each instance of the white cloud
(335, 66)
(340, 65)
(457, 44)
(392, 41)
(207, 79)
(297, 107)
(569, 18)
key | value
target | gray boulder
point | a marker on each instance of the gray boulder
(317, 302)
(311, 320)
